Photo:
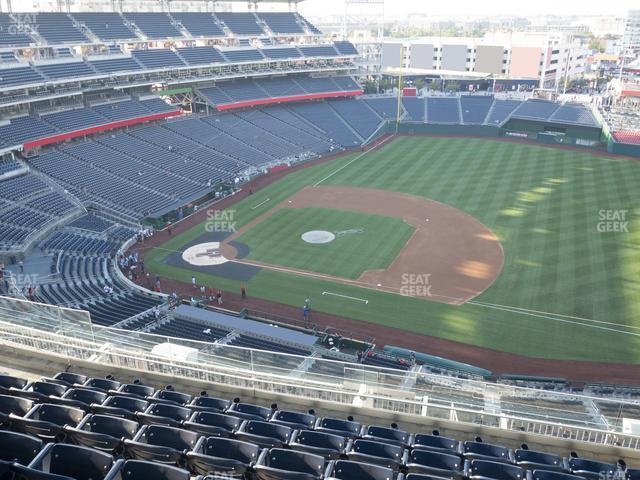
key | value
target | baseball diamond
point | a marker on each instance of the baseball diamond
(521, 236)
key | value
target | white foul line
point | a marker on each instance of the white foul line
(350, 162)
(346, 296)
(260, 204)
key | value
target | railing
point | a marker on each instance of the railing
(70, 334)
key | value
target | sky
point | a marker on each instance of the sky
(476, 7)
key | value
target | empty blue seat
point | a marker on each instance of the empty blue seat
(387, 435)
(553, 475)
(160, 443)
(102, 432)
(46, 420)
(209, 404)
(67, 461)
(487, 470)
(436, 443)
(83, 398)
(249, 411)
(18, 447)
(591, 468)
(486, 451)
(213, 424)
(165, 414)
(349, 470)
(347, 428)
(168, 395)
(122, 406)
(13, 405)
(533, 460)
(434, 463)
(378, 453)
(327, 445)
(297, 420)
(141, 470)
(134, 390)
(225, 456)
(277, 463)
(264, 434)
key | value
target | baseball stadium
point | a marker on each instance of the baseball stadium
(225, 255)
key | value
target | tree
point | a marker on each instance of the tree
(453, 86)
(434, 85)
(419, 83)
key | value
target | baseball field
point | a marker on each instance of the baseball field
(512, 247)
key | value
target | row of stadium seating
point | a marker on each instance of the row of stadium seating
(21, 129)
(84, 268)
(99, 428)
(487, 110)
(27, 206)
(624, 123)
(31, 29)
(152, 168)
(276, 87)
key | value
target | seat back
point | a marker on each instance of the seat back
(293, 461)
(74, 461)
(164, 436)
(209, 403)
(106, 425)
(439, 460)
(436, 442)
(141, 470)
(17, 406)
(232, 449)
(18, 447)
(348, 470)
(495, 470)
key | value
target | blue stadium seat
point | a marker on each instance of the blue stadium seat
(209, 404)
(377, 453)
(213, 424)
(533, 460)
(249, 411)
(46, 420)
(347, 428)
(434, 463)
(102, 432)
(386, 434)
(327, 445)
(160, 443)
(264, 434)
(486, 451)
(436, 443)
(295, 420)
(281, 464)
(591, 469)
(348, 470)
(553, 475)
(83, 398)
(67, 461)
(165, 414)
(226, 456)
(18, 447)
(13, 405)
(487, 470)
(122, 406)
(140, 470)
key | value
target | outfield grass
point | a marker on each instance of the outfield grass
(277, 240)
(578, 289)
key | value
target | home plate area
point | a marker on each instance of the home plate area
(204, 254)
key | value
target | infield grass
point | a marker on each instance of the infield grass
(567, 290)
(363, 241)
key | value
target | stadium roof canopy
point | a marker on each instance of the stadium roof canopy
(395, 71)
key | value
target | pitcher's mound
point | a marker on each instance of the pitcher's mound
(318, 236)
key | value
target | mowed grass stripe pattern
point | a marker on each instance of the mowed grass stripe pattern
(542, 202)
(363, 242)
